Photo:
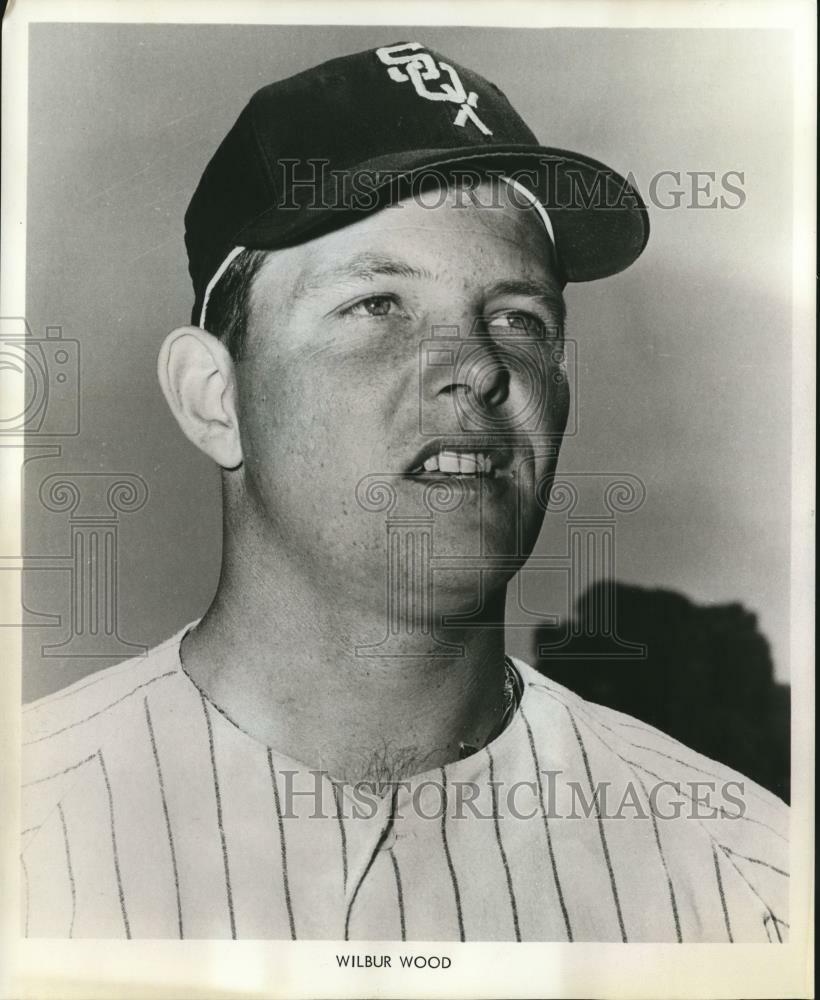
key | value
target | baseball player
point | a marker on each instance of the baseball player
(340, 747)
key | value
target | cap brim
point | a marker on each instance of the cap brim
(600, 221)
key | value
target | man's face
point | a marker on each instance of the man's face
(426, 333)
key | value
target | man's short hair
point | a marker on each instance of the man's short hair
(230, 302)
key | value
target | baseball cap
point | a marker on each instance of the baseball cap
(312, 153)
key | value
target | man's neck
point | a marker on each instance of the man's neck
(289, 671)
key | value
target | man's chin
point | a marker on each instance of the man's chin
(487, 539)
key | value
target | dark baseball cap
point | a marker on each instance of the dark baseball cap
(312, 153)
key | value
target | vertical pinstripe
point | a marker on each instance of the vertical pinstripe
(447, 854)
(670, 885)
(601, 831)
(399, 893)
(722, 895)
(165, 813)
(225, 864)
(337, 795)
(550, 851)
(114, 846)
(69, 870)
(502, 852)
(282, 846)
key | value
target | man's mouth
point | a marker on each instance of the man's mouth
(440, 459)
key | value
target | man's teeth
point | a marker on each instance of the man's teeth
(464, 463)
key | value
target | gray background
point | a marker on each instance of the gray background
(683, 372)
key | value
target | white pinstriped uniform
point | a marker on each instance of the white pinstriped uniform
(148, 814)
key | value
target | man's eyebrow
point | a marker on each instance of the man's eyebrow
(544, 291)
(361, 267)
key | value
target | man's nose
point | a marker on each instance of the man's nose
(469, 371)
(481, 375)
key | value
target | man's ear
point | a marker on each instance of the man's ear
(196, 373)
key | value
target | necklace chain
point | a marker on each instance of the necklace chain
(511, 699)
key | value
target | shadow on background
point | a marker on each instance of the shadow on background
(707, 677)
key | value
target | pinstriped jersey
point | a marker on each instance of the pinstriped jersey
(148, 814)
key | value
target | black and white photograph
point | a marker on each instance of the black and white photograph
(412, 425)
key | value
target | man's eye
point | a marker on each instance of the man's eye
(374, 305)
(516, 324)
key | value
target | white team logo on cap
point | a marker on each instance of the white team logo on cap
(410, 62)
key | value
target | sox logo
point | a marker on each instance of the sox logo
(409, 61)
